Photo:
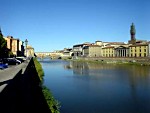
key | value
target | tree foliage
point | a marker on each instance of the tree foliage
(3, 47)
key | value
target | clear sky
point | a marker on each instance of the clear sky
(57, 24)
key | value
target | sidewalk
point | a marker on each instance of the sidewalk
(7, 74)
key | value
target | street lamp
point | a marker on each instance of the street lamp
(26, 43)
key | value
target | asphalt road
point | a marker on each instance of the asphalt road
(9, 73)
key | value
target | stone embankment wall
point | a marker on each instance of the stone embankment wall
(145, 60)
(23, 93)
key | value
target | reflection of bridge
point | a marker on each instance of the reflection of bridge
(48, 54)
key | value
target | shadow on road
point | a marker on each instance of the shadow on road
(23, 94)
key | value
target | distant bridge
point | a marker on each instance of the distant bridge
(48, 54)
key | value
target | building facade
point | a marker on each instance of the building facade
(67, 52)
(108, 51)
(78, 49)
(148, 49)
(139, 50)
(134, 48)
(122, 51)
(15, 46)
(92, 51)
(29, 52)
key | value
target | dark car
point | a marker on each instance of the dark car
(20, 59)
(11, 61)
(3, 66)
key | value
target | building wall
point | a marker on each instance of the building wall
(95, 51)
(138, 51)
(20, 45)
(100, 43)
(122, 51)
(29, 51)
(15, 45)
(108, 52)
(86, 51)
(149, 49)
(8, 42)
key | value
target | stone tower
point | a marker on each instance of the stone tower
(132, 32)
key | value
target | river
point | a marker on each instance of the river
(83, 87)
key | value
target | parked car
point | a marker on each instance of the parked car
(20, 59)
(11, 61)
(3, 66)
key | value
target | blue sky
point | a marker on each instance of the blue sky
(56, 24)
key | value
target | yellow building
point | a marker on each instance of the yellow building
(92, 51)
(138, 50)
(108, 51)
(149, 49)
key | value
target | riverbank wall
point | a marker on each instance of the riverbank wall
(140, 61)
(23, 93)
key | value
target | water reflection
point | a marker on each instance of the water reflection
(84, 87)
(134, 81)
(83, 68)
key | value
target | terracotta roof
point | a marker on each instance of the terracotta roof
(108, 47)
(94, 46)
(80, 45)
(114, 42)
(138, 45)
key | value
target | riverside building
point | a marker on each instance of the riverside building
(134, 48)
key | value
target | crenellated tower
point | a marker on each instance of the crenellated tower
(132, 33)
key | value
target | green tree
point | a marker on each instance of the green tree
(3, 47)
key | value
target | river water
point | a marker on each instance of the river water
(83, 87)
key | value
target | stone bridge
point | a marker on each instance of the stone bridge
(48, 54)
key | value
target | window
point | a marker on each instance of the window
(144, 54)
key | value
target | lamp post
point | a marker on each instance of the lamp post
(26, 43)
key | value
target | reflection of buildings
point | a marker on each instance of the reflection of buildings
(80, 68)
(85, 68)
(15, 45)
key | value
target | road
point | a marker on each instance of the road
(9, 74)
